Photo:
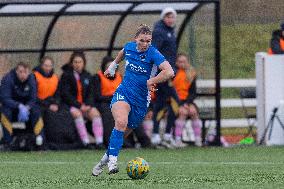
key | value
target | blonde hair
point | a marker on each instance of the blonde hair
(143, 29)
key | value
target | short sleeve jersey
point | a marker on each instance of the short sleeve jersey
(139, 67)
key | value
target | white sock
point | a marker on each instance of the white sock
(112, 158)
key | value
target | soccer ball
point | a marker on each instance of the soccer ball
(137, 168)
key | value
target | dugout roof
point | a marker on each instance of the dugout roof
(60, 8)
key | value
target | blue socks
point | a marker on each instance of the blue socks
(115, 143)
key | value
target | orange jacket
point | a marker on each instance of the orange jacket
(109, 86)
(79, 91)
(46, 86)
(181, 84)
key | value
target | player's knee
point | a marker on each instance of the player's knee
(193, 114)
(76, 113)
(94, 113)
(183, 111)
(121, 123)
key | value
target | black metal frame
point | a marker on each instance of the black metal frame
(111, 48)
(218, 71)
(50, 28)
(117, 26)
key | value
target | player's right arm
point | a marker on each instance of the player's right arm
(112, 67)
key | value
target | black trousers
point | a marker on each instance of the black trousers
(9, 115)
(165, 96)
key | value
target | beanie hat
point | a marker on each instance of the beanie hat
(168, 10)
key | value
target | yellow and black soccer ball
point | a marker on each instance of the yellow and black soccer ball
(137, 168)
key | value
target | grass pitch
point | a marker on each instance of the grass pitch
(238, 167)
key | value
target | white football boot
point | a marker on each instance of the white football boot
(168, 141)
(198, 141)
(180, 144)
(112, 165)
(155, 139)
(98, 169)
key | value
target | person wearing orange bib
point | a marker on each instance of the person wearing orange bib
(47, 84)
(184, 83)
(77, 93)
(277, 41)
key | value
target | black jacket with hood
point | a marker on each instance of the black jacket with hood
(68, 87)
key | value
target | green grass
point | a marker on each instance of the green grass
(251, 167)
(231, 113)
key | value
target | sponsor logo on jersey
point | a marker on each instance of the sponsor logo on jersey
(137, 68)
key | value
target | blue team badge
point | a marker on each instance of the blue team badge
(169, 34)
(86, 81)
(143, 57)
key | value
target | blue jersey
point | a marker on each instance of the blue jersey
(139, 67)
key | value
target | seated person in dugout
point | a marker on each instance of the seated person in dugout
(47, 84)
(18, 98)
(104, 90)
(184, 83)
(77, 95)
(277, 41)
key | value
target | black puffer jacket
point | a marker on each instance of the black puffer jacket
(68, 87)
(275, 42)
(13, 91)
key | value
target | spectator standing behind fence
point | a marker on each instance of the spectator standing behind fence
(47, 84)
(164, 40)
(185, 85)
(18, 97)
(77, 94)
(277, 41)
(104, 90)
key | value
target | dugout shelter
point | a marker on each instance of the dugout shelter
(31, 29)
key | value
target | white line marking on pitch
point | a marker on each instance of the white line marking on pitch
(151, 163)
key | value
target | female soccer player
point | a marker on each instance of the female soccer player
(131, 99)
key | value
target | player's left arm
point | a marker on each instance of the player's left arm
(166, 73)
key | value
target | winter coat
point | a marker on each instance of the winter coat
(13, 91)
(164, 39)
(68, 87)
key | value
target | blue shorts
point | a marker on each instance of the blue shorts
(136, 114)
